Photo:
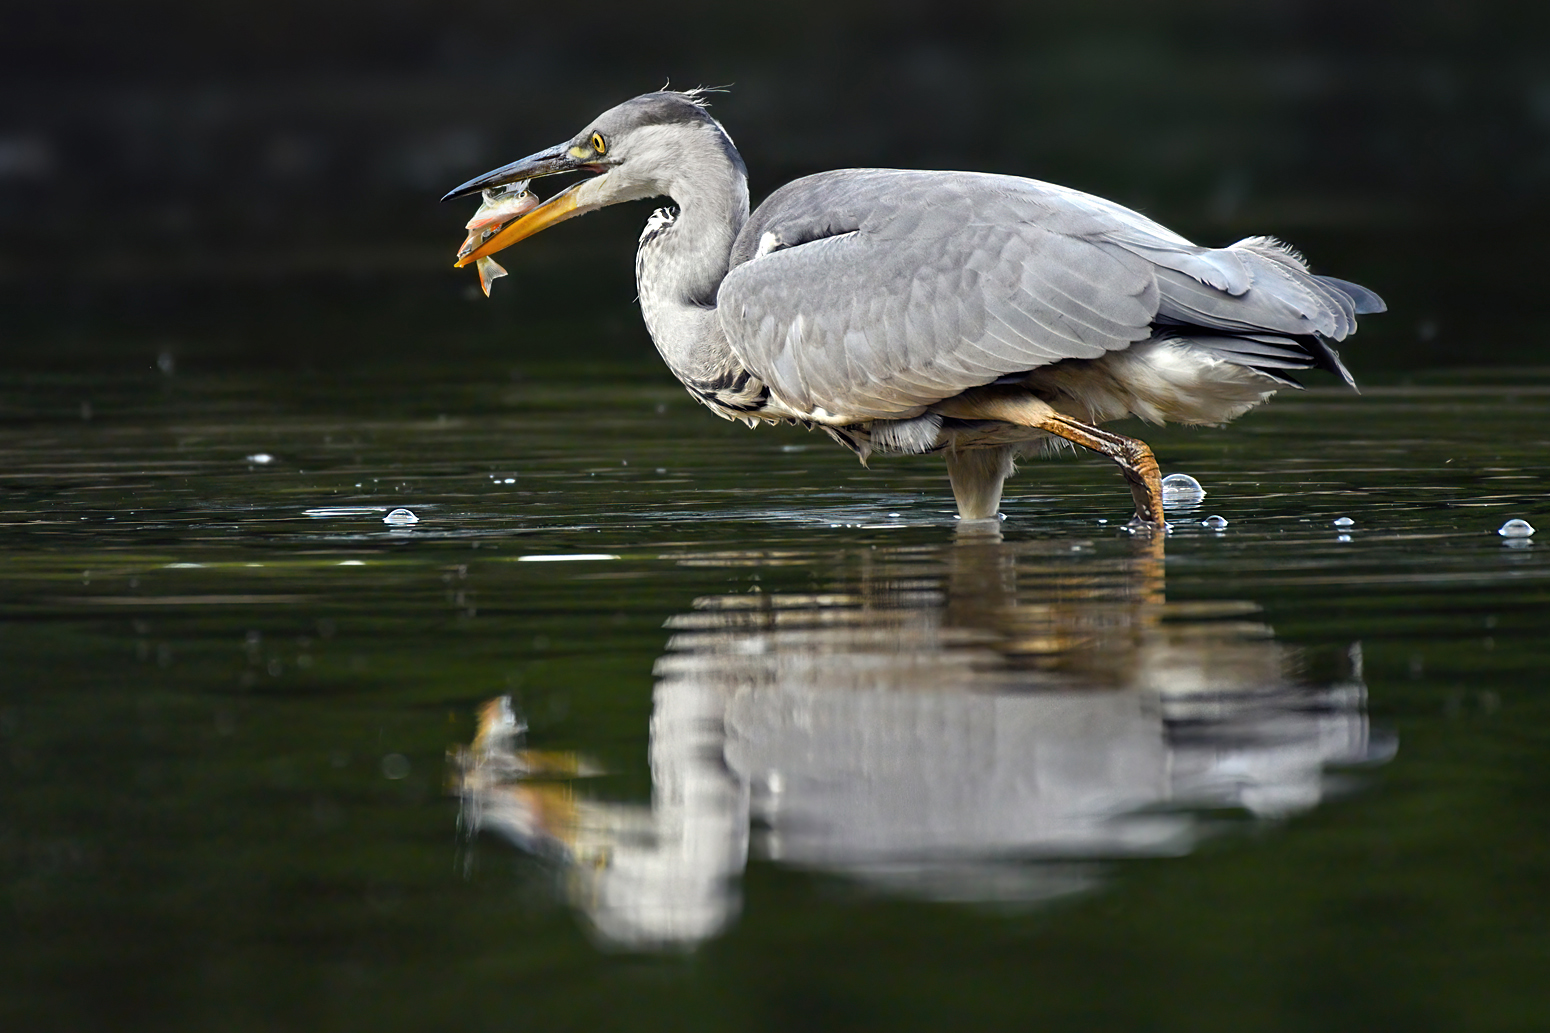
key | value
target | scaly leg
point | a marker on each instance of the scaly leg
(1013, 405)
(1134, 458)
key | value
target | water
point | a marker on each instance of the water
(785, 750)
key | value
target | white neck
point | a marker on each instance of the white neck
(683, 259)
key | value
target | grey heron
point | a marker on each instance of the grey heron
(965, 313)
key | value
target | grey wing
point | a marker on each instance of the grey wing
(875, 293)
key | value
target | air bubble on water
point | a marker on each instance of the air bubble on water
(1516, 528)
(400, 517)
(1180, 489)
(1214, 522)
(1343, 522)
(260, 458)
(1342, 537)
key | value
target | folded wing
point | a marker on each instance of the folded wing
(873, 293)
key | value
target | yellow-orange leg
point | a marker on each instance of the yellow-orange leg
(1134, 458)
(1014, 405)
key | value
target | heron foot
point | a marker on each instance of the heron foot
(1134, 459)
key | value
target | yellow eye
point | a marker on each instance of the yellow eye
(598, 145)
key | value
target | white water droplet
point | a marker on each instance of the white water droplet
(1216, 523)
(1343, 522)
(1516, 529)
(1180, 489)
(401, 516)
(261, 458)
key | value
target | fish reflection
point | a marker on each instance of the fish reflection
(977, 722)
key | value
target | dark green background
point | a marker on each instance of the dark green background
(256, 183)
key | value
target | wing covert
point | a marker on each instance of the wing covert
(874, 293)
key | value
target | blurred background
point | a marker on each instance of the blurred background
(255, 184)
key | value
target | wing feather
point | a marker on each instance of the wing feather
(873, 293)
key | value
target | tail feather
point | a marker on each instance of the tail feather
(1367, 302)
(1268, 353)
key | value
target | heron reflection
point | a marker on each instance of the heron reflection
(982, 721)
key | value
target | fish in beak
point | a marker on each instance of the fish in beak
(525, 218)
(500, 205)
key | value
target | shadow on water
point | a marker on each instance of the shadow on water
(985, 721)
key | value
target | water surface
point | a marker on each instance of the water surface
(793, 752)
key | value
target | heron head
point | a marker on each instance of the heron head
(641, 148)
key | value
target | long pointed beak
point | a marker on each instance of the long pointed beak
(561, 206)
(549, 162)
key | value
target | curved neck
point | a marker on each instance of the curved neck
(683, 259)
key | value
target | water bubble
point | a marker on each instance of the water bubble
(1342, 537)
(1180, 489)
(1343, 522)
(260, 458)
(1214, 522)
(1516, 529)
(401, 516)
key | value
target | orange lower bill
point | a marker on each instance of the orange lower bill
(558, 208)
